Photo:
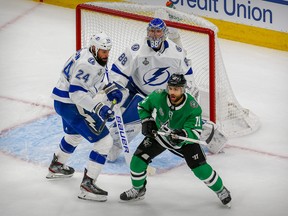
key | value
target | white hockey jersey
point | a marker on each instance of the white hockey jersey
(80, 81)
(147, 70)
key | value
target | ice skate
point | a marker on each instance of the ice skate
(89, 190)
(224, 196)
(133, 194)
(59, 170)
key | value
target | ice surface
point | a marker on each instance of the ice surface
(35, 41)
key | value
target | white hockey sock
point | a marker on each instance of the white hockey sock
(62, 156)
(94, 169)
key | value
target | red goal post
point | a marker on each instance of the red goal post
(199, 38)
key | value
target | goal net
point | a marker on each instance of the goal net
(127, 23)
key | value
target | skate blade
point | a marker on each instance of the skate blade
(51, 175)
(228, 205)
(132, 200)
(93, 197)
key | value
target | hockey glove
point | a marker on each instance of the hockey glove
(173, 137)
(149, 127)
(104, 112)
(113, 92)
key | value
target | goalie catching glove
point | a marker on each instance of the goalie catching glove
(113, 92)
(149, 127)
(104, 112)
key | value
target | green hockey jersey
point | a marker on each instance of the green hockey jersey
(187, 115)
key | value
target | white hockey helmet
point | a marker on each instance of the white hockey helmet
(100, 41)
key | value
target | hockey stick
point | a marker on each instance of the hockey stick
(101, 128)
(182, 138)
(212, 147)
(124, 140)
(169, 133)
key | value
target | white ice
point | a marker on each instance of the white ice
(35, 41)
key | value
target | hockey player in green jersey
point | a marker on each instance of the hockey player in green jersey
(177, 114)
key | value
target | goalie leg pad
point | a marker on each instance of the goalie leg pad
(132, 130)
(131, 113)
(114, 153)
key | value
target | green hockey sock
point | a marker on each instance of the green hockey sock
(209, 176)
(138, 172)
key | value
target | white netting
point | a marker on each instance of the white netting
(231, 117)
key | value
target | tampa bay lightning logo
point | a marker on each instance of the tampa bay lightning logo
(156, 76)
(135, 47)
(91, 61)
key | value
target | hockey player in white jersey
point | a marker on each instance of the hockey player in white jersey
(147, 65)
(81, 98)
(144, 67)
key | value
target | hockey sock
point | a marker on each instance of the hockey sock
(95, 164)
(206, 174)
(138, 172)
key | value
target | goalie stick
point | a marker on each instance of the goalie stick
(124, 140)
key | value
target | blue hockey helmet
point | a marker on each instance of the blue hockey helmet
(156, 32)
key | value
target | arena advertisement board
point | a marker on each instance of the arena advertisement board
(268, 14)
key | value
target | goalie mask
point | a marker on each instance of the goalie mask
(156, 33)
